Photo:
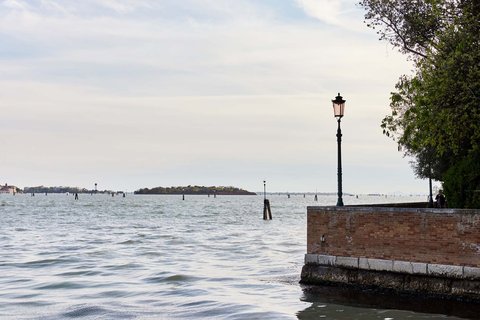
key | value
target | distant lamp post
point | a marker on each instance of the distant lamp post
(338, 110)
(430, 196)
(264, 190)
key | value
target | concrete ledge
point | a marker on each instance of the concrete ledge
(404, 267)
(326, 260)
(347, 262)
(409, 267)
(446, 271)
(471, 273)
(376, 264)
(311, 258)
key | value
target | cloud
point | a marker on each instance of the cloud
(121, 6)
(15, 5)
(345, 14)
(324, 10)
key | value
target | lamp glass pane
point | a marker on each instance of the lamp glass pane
(338, 109)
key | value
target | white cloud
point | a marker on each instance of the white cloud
(345, 14)
(15, 4)
(324, 10)
(124, 6)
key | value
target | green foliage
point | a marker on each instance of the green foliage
(42, 189)
(462, 183)
(435, 113)
(410, 25)
(195, 190)
(427, 165)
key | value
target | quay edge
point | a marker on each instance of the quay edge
(411, 250)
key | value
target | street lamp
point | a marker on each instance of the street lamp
(264, 190)
(338, 110)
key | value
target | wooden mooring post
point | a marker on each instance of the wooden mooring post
(267, 212)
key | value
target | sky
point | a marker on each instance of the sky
(144, 93)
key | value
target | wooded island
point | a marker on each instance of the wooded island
(195, 190)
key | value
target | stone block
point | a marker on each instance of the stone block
(348, 262)
(375, 264)
(471, 273)
(403, 267)
(419, 267)
(311, 258)
(443, 270)
(326, 260)
(409, 267)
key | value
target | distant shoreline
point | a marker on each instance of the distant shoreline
(195, 194)
(196, 190)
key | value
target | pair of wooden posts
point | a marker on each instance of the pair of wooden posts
(267, 213)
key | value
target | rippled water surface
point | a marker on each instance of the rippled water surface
(158, 257)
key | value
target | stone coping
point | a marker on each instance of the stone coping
(405, 267)
(386, 208)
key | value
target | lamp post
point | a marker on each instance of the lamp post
(338, 109)
(264, 190)
(430, 197)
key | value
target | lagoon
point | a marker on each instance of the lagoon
(158, 257)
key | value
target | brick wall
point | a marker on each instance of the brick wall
(441, 236)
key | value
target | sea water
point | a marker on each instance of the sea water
(161, 257)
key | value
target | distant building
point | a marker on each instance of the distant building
(8, 189)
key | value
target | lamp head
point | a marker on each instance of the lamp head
(338, 106)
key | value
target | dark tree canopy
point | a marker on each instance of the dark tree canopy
(219, 190)
(435, 113)
(412, 26)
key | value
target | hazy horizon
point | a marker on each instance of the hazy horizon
(258, 192)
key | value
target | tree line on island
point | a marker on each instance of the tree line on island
(201, 190)
(220, 190)
(63, 189)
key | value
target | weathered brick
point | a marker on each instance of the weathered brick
(412, 235)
